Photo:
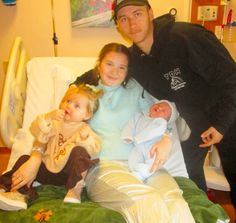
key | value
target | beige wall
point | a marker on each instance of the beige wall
(34, 23)
(88, 42)
(29, 20)
(231, 46)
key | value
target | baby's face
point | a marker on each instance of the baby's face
(160, 110)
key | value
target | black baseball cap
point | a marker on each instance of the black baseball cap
(118, 4)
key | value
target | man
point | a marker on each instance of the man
(186, 64)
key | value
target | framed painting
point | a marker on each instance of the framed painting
(91, 13)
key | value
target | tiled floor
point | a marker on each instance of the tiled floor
(219, 197)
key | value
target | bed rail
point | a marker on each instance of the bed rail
(13, 98)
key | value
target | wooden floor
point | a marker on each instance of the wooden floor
(4, 157)
(223, 198)
(219, 197)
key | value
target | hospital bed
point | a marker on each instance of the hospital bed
(36, 86)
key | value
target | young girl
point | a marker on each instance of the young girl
(61, 155)
(110, 183)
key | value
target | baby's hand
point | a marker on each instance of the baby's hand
(57, 114)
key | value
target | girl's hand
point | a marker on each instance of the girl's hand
(84, 133)
(161, 151)
(210, 137)
(26, 174)
(57, 114)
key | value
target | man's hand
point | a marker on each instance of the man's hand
(161, 151)
(210, 137)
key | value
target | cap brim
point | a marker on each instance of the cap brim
(123, 4)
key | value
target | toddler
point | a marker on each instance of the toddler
(61, 154)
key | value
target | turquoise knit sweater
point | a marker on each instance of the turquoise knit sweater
(117, 106)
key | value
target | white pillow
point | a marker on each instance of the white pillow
(214, 157)
(46, 75)
(62, 78)
(183, 129)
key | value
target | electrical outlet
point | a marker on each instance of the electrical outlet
(207, 13)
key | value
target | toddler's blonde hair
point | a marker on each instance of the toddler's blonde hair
(88, 91)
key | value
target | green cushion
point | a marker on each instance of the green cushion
(51, 198)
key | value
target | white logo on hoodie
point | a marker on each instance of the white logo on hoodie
(176, 82)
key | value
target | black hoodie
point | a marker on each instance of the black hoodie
(189, 66)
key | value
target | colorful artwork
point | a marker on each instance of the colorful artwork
(91, 13)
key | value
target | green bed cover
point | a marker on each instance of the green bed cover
(51, 201)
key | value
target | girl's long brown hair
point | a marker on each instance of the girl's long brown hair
(117, 48)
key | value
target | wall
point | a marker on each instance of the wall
(34, 23)
(208, 24)
(88, 41)
(231, 46)
(223, 8)
(27, 20)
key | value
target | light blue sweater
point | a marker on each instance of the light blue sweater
(117, 106)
